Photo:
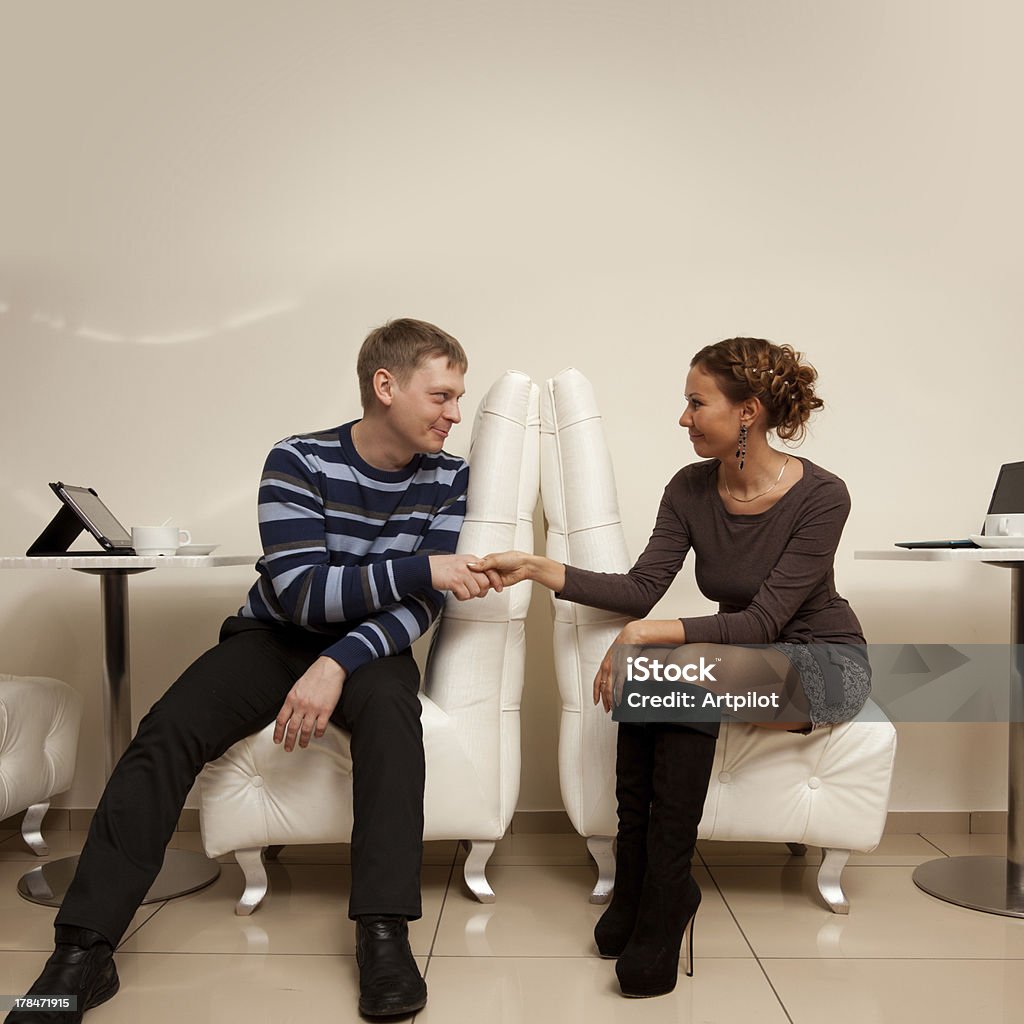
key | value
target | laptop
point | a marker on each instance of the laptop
(1007, 498)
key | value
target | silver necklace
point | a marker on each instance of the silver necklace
(746, 501)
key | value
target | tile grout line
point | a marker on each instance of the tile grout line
(930, 843)
(771, 984)
(886, 958)
(139, 927)
(437, 927)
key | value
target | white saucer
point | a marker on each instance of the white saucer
(197, 549)
(997, 542)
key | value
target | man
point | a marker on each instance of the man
(358, 525)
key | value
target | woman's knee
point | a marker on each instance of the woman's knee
(699, 663)
(760, 680)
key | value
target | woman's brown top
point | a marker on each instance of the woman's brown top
(771, 573)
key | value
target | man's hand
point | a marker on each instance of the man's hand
(308, 706)
(452, 572)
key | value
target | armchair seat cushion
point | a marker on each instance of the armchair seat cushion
(268, 797)
(829, 788)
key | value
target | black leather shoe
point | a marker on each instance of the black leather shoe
(389, 980)
(86, 971)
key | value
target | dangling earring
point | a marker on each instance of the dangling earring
(741, 450)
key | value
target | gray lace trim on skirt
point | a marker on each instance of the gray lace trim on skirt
(835, 703)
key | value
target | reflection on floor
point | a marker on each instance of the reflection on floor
(766, 948)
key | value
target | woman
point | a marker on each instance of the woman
(764, 527)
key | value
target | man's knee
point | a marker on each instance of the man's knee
(390, 697)
(382, 694)
(167, 724)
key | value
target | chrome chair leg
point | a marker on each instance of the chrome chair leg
(474, 870)
(600, 848)
(256, 885)
(31, 828)
(830, 880)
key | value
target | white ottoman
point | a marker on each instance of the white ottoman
(39, 723)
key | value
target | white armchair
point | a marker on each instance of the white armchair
(828, 789)
(256, 796)
(39, 724)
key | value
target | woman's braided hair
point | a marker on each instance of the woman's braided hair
(755, 368)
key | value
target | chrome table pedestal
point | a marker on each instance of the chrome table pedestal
(994, 885)
(183, 872)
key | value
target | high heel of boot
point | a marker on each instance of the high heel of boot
(688, 944)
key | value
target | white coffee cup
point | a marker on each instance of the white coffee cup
(158, 540)
(1010, 524)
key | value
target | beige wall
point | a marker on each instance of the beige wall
(204, 206)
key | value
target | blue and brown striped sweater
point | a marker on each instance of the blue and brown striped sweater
(346, 545)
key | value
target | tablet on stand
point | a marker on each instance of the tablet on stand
(81, 509)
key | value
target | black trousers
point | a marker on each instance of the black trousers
(230, 692)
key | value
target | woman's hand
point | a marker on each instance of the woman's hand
(503, 569)
(635, 634)
(510, 567)
(603, 681)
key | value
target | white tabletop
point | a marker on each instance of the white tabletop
(73, 561)
(994, 556)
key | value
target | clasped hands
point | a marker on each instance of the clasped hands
(511, 567)
(469, 576)
(311, 701)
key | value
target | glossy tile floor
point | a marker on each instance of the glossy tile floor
(766, 949)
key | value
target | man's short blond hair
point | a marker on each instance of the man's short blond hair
(401, 347)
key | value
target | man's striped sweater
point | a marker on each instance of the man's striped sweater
(346, 545)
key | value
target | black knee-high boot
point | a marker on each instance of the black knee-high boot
(634, 766)
(649, 965)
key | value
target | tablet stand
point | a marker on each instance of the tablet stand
(61, 533)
